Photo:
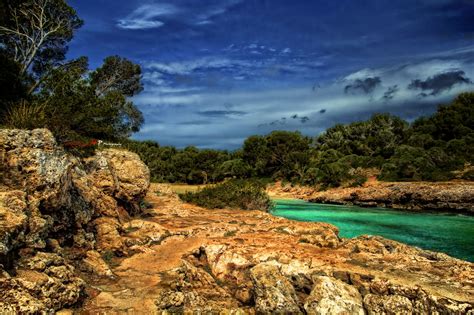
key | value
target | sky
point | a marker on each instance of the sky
(218, 71)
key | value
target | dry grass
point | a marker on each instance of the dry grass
(25, 116)
(184, 188)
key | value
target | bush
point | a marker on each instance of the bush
(241, 194)
(25, 116)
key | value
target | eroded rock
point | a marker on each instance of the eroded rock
(332, 296)
(273, 292)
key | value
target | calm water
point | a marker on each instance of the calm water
(449, 233)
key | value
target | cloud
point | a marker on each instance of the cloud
(146, 16)
(390, 92)
(155, 15)
(366, 85)
(440, 82)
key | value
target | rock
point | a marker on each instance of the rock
(50, 200)
(273, 292)
(332, 296)
(120, 174)
(226, 264)
(43, 283)
(13, 220)
(107, 235)
(95, 264)
(391, 304)
(191, 290)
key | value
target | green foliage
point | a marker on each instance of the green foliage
(281, 154)
(240, 194)
(79, 103)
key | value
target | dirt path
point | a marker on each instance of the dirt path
(217, 241)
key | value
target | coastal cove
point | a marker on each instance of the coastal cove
(443, 232)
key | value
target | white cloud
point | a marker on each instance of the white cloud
(154, 15)
(146, 16)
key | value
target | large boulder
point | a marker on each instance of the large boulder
(274, 293)
(332, 296)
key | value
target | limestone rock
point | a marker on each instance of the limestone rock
(193, 289)
(43, 283)
(332, 296)
(94, 263)
(108, 237)
(392, 304)
(120, 174)
(273, 292)
(13, 220)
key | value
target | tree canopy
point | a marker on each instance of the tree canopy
(40, 82)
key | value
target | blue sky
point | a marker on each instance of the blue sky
(217, 71)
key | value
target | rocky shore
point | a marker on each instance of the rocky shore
(456, 196)
(76, 236)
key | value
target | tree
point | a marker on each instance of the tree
(35, 33)
(76, 110)
(117, 74)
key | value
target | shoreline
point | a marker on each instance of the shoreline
(417, 197)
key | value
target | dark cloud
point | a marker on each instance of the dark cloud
(440, 82)
(304, 119)
(221, 113)
(366, 86)
(322, 111)
(390, 93)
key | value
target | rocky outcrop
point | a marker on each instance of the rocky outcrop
(73, 235)
(453, 196)
(50, 201)
(247, 262)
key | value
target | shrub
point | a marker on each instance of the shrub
(25, 116)
(241, 194)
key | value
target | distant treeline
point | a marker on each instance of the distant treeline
(435, 148)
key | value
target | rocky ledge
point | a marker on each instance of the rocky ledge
(74, 238)
(456, 196)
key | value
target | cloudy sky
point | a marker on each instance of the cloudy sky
(217, 71)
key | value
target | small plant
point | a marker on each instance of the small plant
(282, 230)
(230, 233)
(107, 256)
(145, 205)
(130, 229)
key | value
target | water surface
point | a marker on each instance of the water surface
(452, 234)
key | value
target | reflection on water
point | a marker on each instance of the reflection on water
(452, 234)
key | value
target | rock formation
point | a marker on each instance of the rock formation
(74, 235)
(51, 201)
(445, 196)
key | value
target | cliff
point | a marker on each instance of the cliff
(456, 196)
(75, 234)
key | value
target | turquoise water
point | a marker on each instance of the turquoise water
(452, 234)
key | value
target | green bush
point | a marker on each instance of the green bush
(240, 194)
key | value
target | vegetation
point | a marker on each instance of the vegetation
(241, 194)
(40, 88)
(37, 81)
(431, 148)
